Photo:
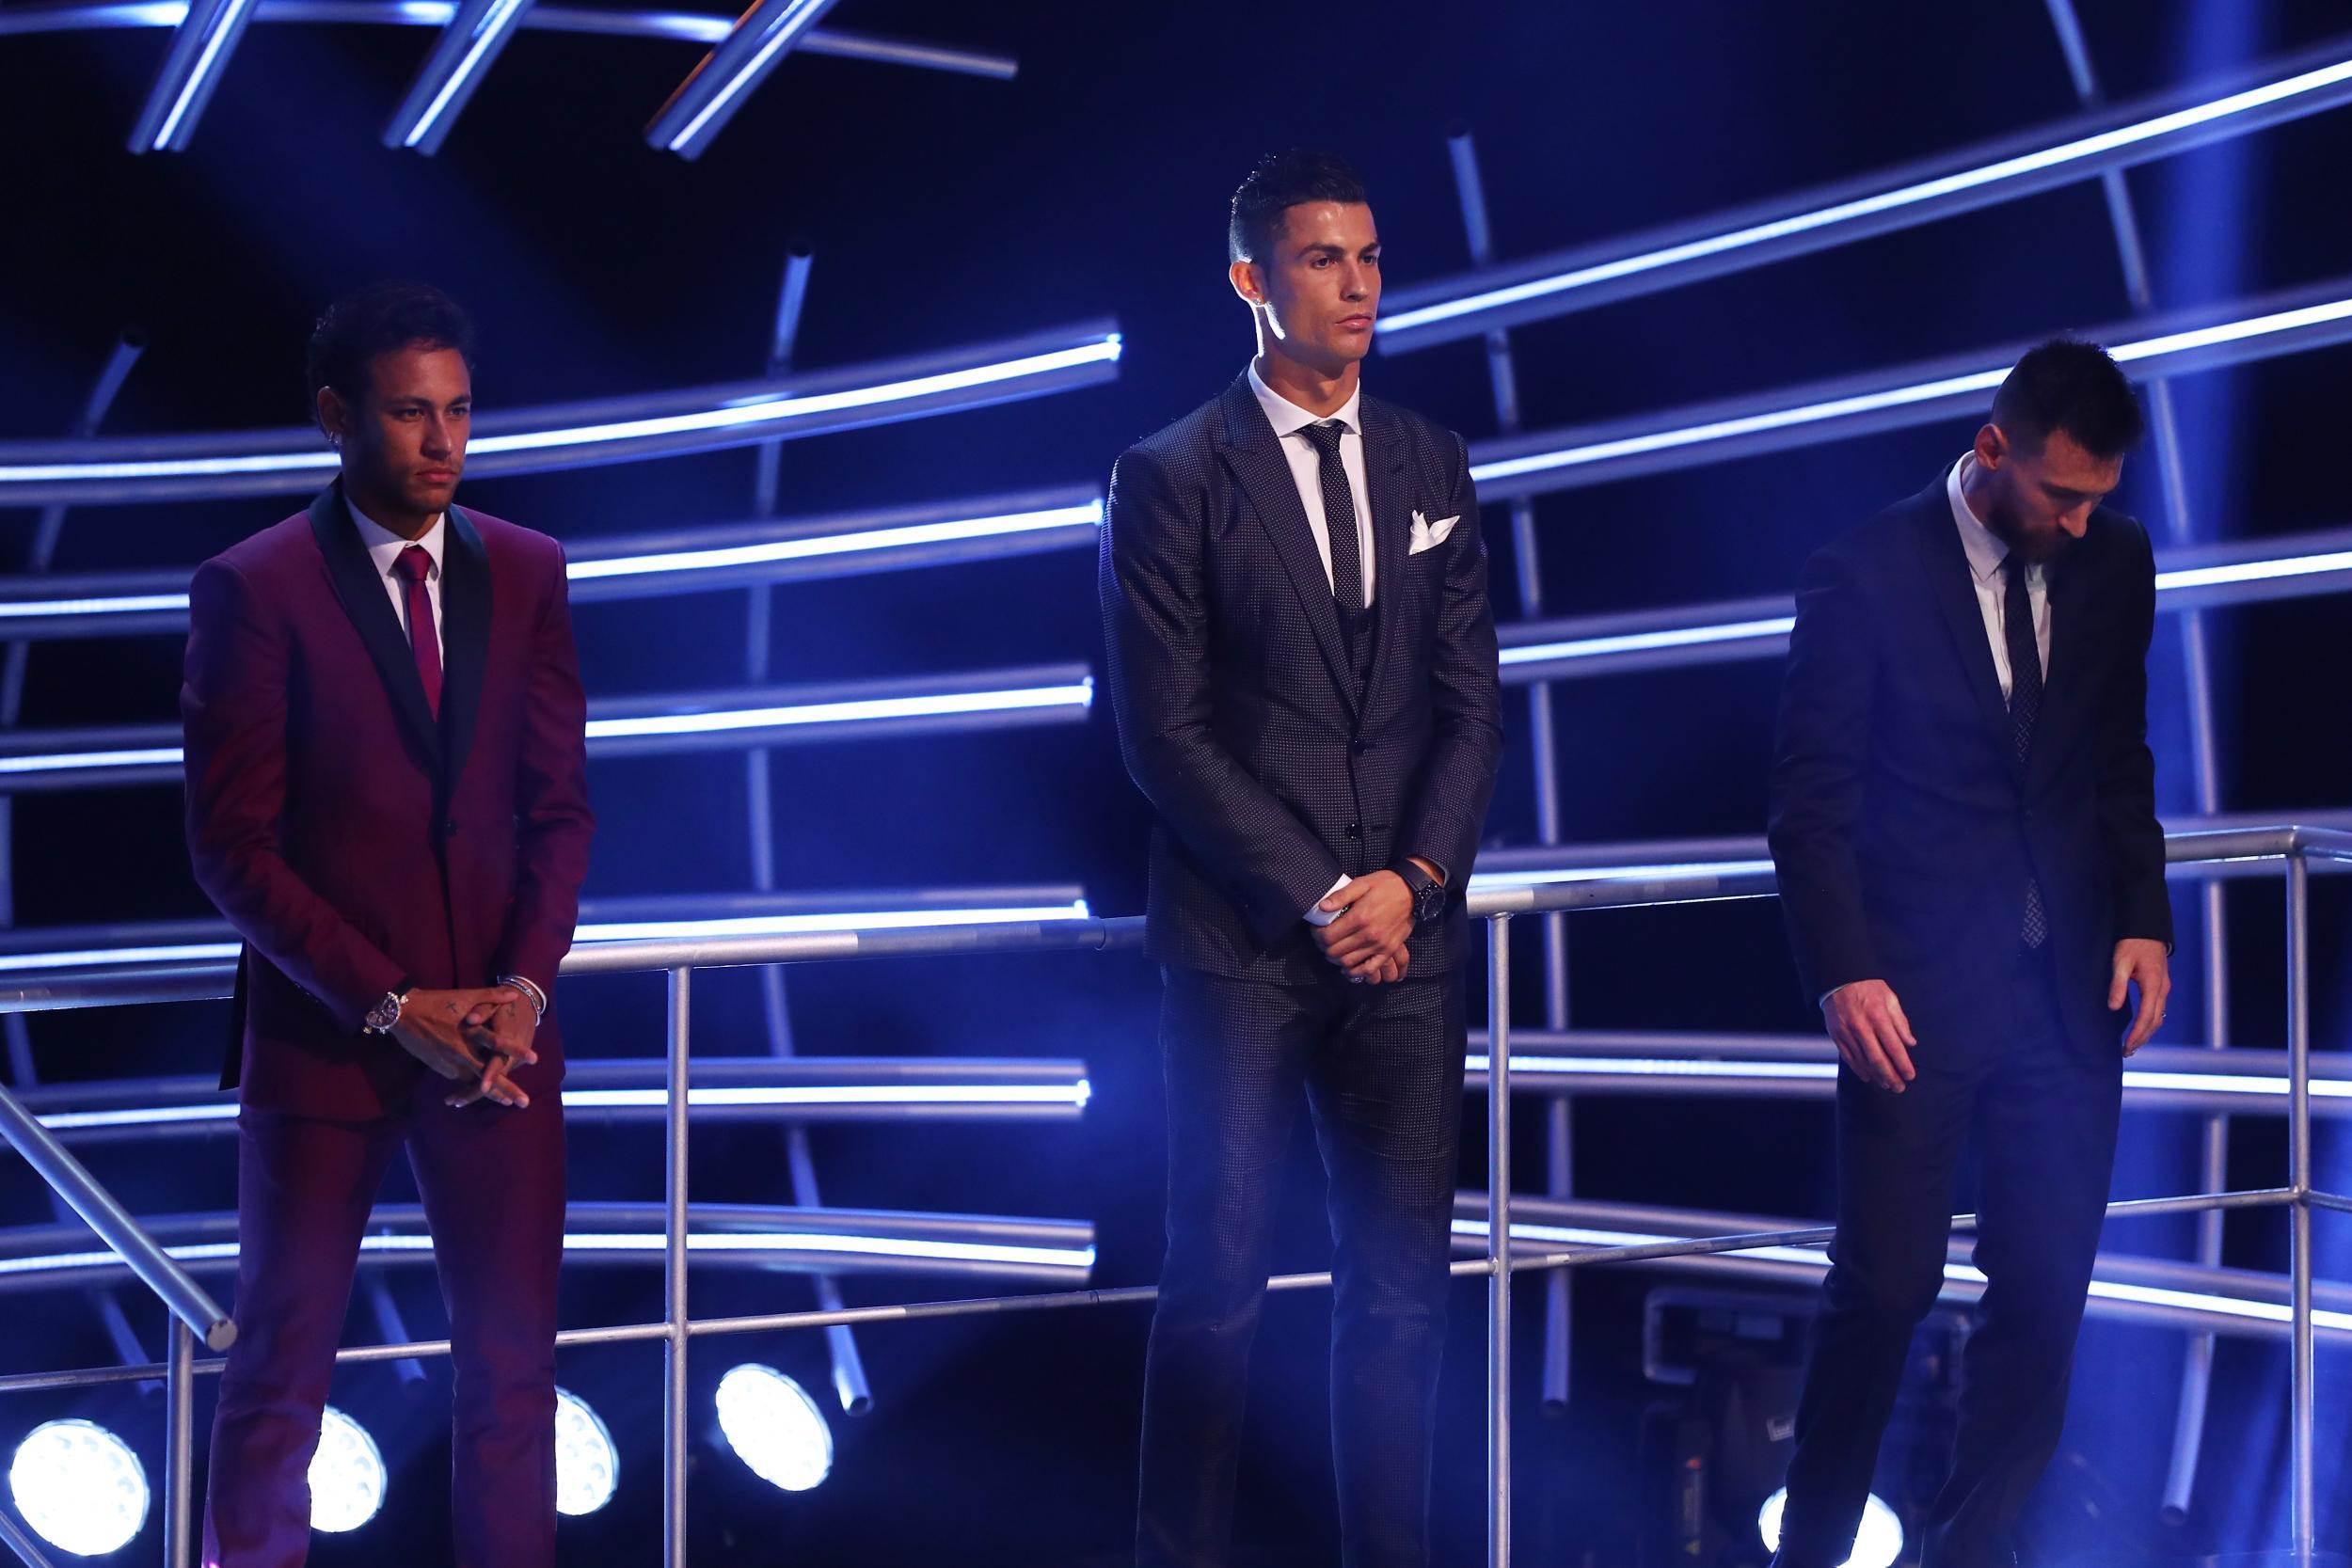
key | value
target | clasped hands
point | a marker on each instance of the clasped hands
(481, 1035)
(1375, 919)
(1874, 1038)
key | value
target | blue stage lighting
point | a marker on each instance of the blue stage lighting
(706, 100)
(1645, 642)
(207, 35)
(587, 1467)
(80, 1487)
(1593, 274)
(476, 33)
(346, 1475)
(858, 711)
(1876, 1545)
(775, 1427)
(811, 546)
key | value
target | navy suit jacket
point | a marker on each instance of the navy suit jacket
(352, 838)
(1902, 825)
(1274, 762)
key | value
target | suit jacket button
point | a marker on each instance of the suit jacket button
(1359, 747)
(449, 827)
(1355, 829)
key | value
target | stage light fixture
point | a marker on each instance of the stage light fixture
(775, 1427)
(587, 1466)
(1876, 1545)
(346, 1475)
(206, 36)
(814, 546)
(80, 1487)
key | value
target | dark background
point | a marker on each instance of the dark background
(946, 210)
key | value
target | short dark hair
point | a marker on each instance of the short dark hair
(376, 319)
(2072, 385)
(1281, 182)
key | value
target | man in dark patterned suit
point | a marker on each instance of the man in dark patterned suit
(1302, 662)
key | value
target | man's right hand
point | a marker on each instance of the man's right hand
(432, 1027)
(1866, 1023)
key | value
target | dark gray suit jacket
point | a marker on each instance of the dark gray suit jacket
(1904, 827)
(1273, 765)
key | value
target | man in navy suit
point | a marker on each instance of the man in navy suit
(1963, 821)
(387, 796)
(1302, 662)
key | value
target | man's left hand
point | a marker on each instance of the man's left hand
(502, 1033)
(2140, 962)
(1372, 934)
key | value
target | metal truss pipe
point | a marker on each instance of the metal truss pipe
(42, 761)
(1900, 398)
(51, 16)
(1882, 202)
(667, 423)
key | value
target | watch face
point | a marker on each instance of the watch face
(1430, 902)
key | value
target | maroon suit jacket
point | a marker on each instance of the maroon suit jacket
(352, 840)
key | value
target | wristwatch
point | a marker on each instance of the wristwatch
(382, 1018)
(1428, 892)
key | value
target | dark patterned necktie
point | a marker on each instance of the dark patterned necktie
(1339, 522)
(425, 641)
(2025, 706)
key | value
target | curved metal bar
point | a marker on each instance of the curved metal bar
(578, 434)
(1900, 398)
(2188, 579)
(1879, 202)
(41, 761)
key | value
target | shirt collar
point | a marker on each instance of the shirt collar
(1288, 418)
(384, 546)
(1985, 551)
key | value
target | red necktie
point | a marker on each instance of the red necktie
(424, 639)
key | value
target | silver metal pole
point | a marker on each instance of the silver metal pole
(180, 1449)
(2299, 1377)
(2214, 1149)
(20, 1540)
(673, 1410)
(1502, 375)
(1498, 1243)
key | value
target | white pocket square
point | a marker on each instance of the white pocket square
(1426, 534)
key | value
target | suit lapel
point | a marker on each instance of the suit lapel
(1391, 531)
(359, 589)
(465, 639)
(1951, 584)
(1255, 456)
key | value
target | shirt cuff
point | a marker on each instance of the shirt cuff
(1318, 915)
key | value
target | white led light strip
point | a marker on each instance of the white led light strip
(750, 1241)
(752, 413)
(1883, 201)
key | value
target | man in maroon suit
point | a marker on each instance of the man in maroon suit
(386, 797)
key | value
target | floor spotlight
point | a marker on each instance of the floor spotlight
(587, 1471)
(1876, 1545)
(775, 1427)
(346, 1475)
(79, 1486)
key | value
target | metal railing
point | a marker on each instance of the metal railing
(2290, 851)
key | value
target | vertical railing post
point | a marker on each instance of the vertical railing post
(179, 1448)
(1499, 1240)
(674, 1285)
(2299, 1375)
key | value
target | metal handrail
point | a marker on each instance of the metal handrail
(2290, 848)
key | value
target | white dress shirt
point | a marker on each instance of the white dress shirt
(384, 547)
(1290, 423)
(1985, 555)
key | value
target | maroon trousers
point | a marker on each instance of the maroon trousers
(492, 1180)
